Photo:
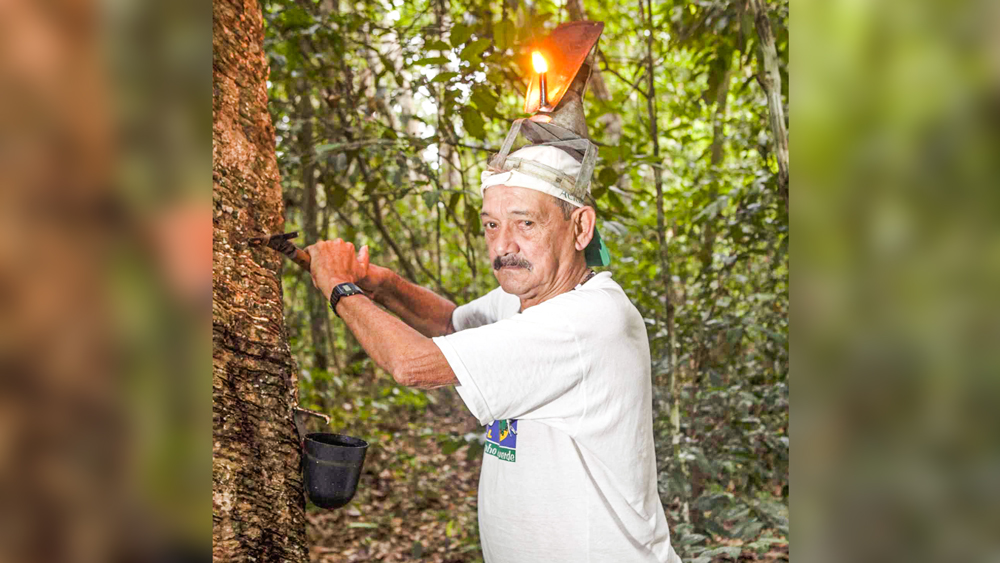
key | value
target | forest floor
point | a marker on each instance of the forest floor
(416, 499)
(415, 502)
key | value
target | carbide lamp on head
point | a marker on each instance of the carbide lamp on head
(562, 64)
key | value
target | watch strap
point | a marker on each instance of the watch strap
(341, 291)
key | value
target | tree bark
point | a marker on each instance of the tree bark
(770, 81)
(258, 509)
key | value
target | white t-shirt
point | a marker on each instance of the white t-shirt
(569, 471)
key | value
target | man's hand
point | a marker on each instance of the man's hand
(373, 281)
(334, 263)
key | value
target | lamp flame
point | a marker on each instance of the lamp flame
(538, 61)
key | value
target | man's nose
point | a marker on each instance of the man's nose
(504, 243)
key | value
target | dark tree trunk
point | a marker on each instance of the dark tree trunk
(314, 300)
(718, 144)
(612, 121)
(646, 10)
(258, 510)
(707, 340)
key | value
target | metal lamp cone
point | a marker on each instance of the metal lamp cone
(568, 115)
(565, 51)
(562, 66)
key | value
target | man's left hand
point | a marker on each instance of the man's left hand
(334, 262)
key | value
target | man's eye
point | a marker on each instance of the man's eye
(491, 225)
(528, 223)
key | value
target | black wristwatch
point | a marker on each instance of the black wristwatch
(341, 291)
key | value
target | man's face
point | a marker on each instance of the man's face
(531, 244)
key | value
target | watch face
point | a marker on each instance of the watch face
(343, 290)
(347, 289)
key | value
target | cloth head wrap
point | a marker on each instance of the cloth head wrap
(553, 171)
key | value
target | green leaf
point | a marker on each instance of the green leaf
(473, 122)
(690, 539)
(296, 16)
(763, 544)
(444, 76)
(453, 201)
(437, 45)
(475, 451)
(472, 51)
(430, 61)
(472, 217)
(716, 528)
(339, 196)
(747, 529)
(460, 33)
(609, 153)
(449, 446)
(431, 198)
(369, 525)
(730, 550)
(327, 147)
(616, 202)
(607, 177)
(504, 33)
(484, 99)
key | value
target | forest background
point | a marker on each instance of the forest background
(385, 113)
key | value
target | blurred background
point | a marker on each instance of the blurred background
(896, 284)
(105, 283)
(105, 127)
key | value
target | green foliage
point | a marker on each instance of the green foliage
(387, 112)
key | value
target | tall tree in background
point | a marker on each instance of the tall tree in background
(770, 81)
(257, 502)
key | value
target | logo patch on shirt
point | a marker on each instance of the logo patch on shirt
(501, 439)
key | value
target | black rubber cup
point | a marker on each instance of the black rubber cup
(332, 468)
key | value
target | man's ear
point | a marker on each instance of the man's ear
(584, 219)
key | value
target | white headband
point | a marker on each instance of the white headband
(547, 169)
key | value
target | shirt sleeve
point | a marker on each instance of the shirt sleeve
(528, 366)
(479, 312)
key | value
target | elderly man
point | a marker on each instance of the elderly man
(555, 362)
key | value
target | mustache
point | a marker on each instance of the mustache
(515, 260)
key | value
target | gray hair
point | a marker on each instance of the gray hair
(568, 208)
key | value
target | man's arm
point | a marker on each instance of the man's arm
(419, 307)
(412, 359)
